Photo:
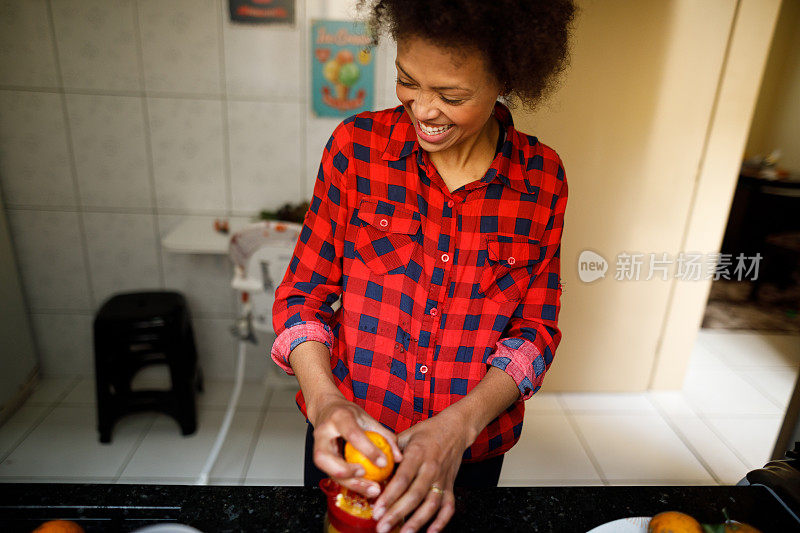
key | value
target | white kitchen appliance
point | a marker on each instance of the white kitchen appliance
(260, 253)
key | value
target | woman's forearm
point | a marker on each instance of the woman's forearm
(311, 363)
(493, 395)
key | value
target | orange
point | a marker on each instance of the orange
(674, 522)
(59, 526)
(373, 472)
(354, 503)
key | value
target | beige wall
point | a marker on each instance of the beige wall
(776, 123)
(633, 123)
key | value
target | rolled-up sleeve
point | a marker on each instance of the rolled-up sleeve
(312, 282)
(528, 345)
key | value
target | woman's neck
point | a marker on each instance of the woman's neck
(470, 154)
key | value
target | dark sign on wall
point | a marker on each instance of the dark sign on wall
(262, 11)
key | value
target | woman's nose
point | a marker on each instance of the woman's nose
(424, 107)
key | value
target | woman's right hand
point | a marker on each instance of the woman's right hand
(335, 418)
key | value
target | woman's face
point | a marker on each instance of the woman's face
(449, 98)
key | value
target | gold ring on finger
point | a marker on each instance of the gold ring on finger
(436, 489)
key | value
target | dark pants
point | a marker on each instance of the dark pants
(478, 475)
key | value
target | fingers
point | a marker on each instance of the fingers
(329, 460)
(401, 480)
(370, 489)
(416, 493)
(392, 439)
(424, 512)
(445, 513)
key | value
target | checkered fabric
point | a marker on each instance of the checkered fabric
(435, 285)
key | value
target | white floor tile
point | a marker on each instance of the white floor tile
(175, 481)
(49, 390)
(724, 392)
(752, 437)
(703, 357)
(84, 393)
(593, 482)
(281, 448)
(633, 402)
(738, 348)
(668, 483)
(290, 482)
(544, 402)
(283, 399)
(548, 450)
(66, 444)
(45, 479)
(639, 446)
(776, 383)
(672, 403)
(725, 465)
(166, 453)
(218, 393)
(19, 424)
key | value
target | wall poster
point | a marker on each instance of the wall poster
(262, 11)
(342, 68)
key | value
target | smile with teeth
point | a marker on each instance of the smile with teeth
(434, 131)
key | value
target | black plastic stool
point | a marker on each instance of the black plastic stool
(135, 330)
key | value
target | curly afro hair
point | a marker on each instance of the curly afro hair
(525, 43)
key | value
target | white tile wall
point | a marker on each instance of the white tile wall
(205, 280)
(180, 45)
(26, 46)
(265, 154)
(188, 156)
(97, 44)
(108, 139)
(264, 63)
(65, 342)
(119, 118)
(34, 157)
(122, 253)
(48, 246)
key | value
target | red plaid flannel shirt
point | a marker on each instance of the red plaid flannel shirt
(435, 285)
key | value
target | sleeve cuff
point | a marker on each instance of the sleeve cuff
(295, 335)
(522, 360)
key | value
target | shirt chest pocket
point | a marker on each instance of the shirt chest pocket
(387, 237)
(511, 262)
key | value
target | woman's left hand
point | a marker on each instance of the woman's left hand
(432, 452)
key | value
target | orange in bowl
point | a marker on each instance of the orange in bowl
(373, 472)
(59, 526)
(674, 522)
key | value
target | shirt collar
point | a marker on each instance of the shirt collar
(508, 165)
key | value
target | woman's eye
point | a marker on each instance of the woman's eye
(445, 100)
(451, 102)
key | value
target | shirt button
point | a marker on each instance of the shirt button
(511, 260)
(445, 258)
(423, 369)
(434, 311)
(449, 203)
(384, 222)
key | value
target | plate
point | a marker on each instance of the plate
(634, 524)
(168, 528)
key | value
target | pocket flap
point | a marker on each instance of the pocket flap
(389, 217)
(513, 252)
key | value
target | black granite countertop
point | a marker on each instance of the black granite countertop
(256, 508)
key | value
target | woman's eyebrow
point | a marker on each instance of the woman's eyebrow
(448, 88)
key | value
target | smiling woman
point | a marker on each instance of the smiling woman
(439, 226)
